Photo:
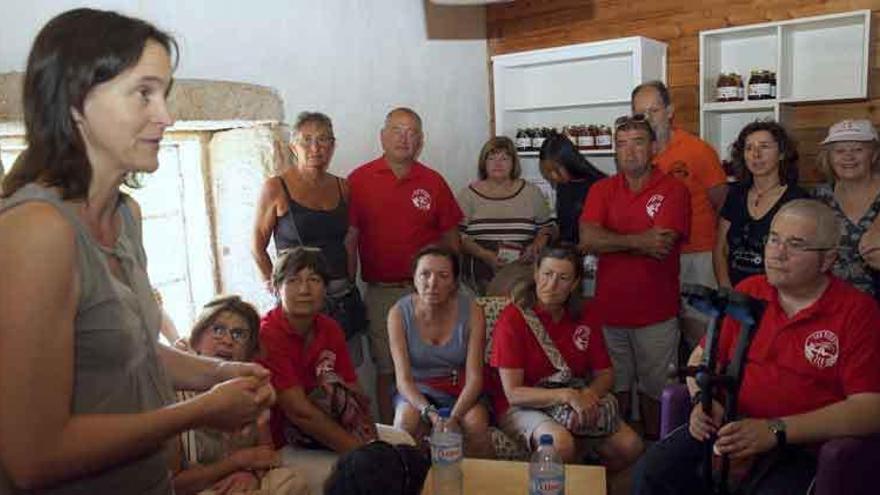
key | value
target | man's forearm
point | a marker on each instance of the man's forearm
(856, 415)
(597, 239)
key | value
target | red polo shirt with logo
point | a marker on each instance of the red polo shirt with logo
(395, 218)
(514, 346)
(819, 356)
(293, 364)
(631, 289)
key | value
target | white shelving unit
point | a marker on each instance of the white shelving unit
(587, 83)
(816, 59)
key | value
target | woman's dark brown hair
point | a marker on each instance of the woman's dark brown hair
(73, 53)
(231, 304)
(379, 468)
(788, 153)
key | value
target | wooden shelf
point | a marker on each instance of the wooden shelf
(739, 106)
(585, 104)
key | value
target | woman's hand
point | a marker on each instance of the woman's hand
(256, 458)
(231, 404)
(585, 403)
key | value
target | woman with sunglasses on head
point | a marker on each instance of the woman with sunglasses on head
(86, 390)
(571, 175)
(765, 159)
(437, 340)
(305, 205)
(850, 159)
(547, 312)
(506, 218)
(228, 329)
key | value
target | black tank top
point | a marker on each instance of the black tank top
(324, 229)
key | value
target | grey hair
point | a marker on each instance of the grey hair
(827, 223)
(409, 111)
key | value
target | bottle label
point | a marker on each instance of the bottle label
(727, 92)
(523, 142)
(758, 90)
(537, 142)
(585, 141)
(551, 485)
(603, 140)
(445, 454)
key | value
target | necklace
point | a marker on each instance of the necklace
(759, 195)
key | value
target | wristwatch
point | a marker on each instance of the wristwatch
(777, 427)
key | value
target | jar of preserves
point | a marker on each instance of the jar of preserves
(772, 85)
(603, 138)
(759, 85)
(523, 141)
(728, 87)
(586, 139)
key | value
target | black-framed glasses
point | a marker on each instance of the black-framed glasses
(238, 335)
(793, 244)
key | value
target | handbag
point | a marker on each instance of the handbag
(346, 406)
(608, 417)
(348, 309)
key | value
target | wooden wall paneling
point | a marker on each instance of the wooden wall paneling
(532, 24)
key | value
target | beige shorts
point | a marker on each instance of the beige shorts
(643, 355)
(521, 423)
(696, 269)
(379, 299)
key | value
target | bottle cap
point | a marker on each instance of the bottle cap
(444, 412)
(546, 439)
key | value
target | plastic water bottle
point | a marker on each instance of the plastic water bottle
(546, 470)
(588, 283)
(446, 455)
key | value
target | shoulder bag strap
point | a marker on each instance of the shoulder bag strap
(563, 373)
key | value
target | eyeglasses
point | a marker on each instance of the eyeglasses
(239, 335)
(792, 244)
(636, 118)
(322, 141)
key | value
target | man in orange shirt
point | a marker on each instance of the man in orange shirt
(695, 163)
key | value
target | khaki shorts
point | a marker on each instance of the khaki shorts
(696, 269)
(643, 355)
(379, 299)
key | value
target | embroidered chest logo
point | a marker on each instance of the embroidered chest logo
(421, 199)
(653, 205)
(822, 349)
(581, 337)
(326, 363)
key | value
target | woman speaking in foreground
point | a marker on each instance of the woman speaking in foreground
(86, 392)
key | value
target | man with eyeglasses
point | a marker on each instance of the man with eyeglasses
(636, 221)
(694, 162)
(397, 207)
(811, 372)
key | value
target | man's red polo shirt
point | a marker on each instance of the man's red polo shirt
(292, 364)
(819, 356)
(395, 218)
(634, 290)
(514, 346)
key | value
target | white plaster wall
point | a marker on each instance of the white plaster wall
(353, 59)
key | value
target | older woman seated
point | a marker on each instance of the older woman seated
(222, 462)
(319, 401)
(437, 340)
(546, 309)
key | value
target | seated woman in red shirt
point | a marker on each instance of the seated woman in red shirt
(524, 365)
(308, 357)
